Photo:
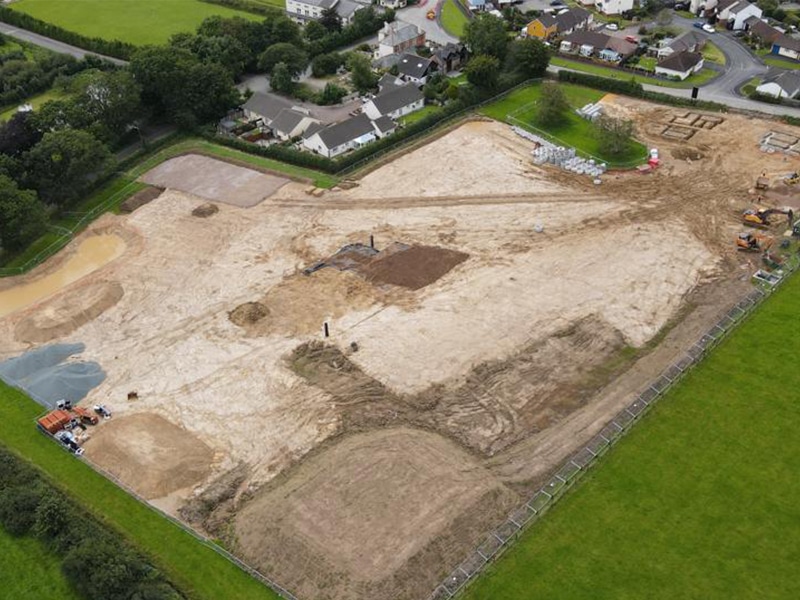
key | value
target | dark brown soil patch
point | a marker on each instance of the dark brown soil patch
(205, 210)
(687, 154)
(140, 198)
(412, 267)
(248, 313)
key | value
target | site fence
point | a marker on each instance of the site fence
(67, 233)
(279, 590)
(500, 538)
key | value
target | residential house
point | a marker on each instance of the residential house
(398, 37)
(308, 10)
(291, 123)
(384, 126)
(395, 102)
(543, 27)
(477, 5)
(689, 41)
(787, 46)
(389, 82)
(415, 69)
(761, 31)
(346, 9)
(602, 45)
(613, 7)
(449, 57)
(336, 139)
(780, 84)
(680, 65)
(735, 13)
(573, 19)
(393, 4)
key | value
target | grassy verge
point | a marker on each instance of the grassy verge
(713, 54)
(196, 569)
(35, 573)
(453, 20)
(700, 78)
(781, 63)
(750, 87)
(574, 131)
(420, 114)
(143, 22)
(35, 101)
(700, 496)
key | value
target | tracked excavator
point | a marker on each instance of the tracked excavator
(759, 216)
(748, 242)
(792, 179)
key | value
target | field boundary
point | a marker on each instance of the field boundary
(498, 540)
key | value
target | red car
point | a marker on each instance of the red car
(632, 39)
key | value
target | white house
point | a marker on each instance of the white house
(613, 7)
(780, 84)
(395, 102)
(735, 13)
(680, 65)
(787, 46)
(307, 10)
(336, 139)
(689, 41)
(291, 123)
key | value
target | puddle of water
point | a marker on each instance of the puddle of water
(93, 253)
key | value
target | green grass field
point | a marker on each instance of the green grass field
(453, 20)
(700, 78)
(200, 572)
(575, 131)
(136, 21)
(781, 63)
(33, 573)
(698, 501)
(420, 114)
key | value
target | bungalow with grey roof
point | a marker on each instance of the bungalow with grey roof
(780, 84)
(680, 65)
(346, 135)
(395, 103)
(787, 46)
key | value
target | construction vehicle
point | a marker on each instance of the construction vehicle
(792, 178)
(431, 15)
(85, 416)
(762, 183)
(101, 410)
(749, 242)
(759, 216)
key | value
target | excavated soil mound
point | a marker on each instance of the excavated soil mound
(205, 210)
(248, 313)
(412, 267)
(64, 315)
(140, 198)
(687, 154)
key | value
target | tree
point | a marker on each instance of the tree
(108, 101)
(281, 79)
(175, 83)
(295, 59)
(221, 49)
(255, 36)
(553, 106)
(284, 30)
(361, 73)
(62, 165)
(529, 57)
(53, 518)
(482, 71)
(103, 569)
(17, 509)
(331, 20)
(314, 30)
(486, 34)
(18, 134)
(23, 217)
(326, 64)
(332, 94)
(615, 135)
(664, 17)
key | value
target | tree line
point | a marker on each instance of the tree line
(95, 561)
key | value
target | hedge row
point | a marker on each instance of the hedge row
(631, 87)
(247, 6)
(347, 35)
(96, 562)
(113, 48)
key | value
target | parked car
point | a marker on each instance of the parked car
(681, 6)
(632, 39)
(698, 24)
(556, 2)
(612, 26)
(709, 28)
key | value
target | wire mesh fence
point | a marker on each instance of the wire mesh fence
(499, 539)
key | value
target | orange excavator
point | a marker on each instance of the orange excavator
(748, 242)
(759, 216)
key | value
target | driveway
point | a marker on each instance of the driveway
(417, 15)
(51, 44)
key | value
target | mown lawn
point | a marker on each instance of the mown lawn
(136, 21)
(30, 572)
(698, 501)
(35, 101)
(781, 63)
(574, 131)
(453, 20)
(196, 569)
(700, 78)
(713, 54)
(420, 114)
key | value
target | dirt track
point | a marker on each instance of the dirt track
(426, 412)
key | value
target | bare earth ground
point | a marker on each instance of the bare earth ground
(367, 464)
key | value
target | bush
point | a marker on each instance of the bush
(18, 509)
(326, 64)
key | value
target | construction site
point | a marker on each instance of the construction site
(349, 388)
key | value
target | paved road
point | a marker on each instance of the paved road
(417, 15)
(51, 44)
